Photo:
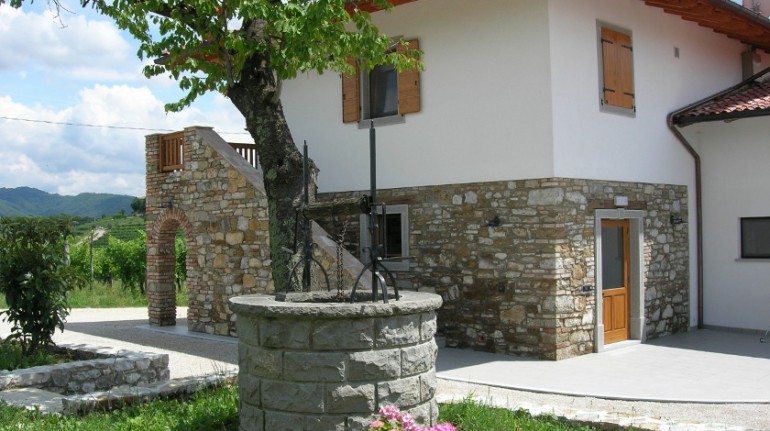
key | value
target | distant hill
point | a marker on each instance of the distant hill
(26, 201)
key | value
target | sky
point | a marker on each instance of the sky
(58, 77)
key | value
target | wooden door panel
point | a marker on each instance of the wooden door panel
(616, 280)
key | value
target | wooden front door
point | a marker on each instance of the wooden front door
(616, 280)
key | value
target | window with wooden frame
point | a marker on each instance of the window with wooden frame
(616, 70)
(381, 93)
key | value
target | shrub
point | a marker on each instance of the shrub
(35, 277)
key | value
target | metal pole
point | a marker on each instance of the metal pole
(373, 254)
(308, 236)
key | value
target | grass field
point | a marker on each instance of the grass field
(217, 410)
(104, 295)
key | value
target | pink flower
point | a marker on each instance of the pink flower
(390, 412)
(446, 426)
(377, 424)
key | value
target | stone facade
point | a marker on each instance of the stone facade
(512, 259)
(218, 199)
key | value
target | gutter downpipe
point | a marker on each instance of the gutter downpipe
(698, 206)
(698, 192)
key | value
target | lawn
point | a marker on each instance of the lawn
(217, 410)
(106, 295)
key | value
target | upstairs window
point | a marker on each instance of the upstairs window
(382, 93)
(617, 70)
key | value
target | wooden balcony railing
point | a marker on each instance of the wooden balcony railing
(171, 157)
(249, 152)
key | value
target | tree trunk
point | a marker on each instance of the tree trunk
(257, 97)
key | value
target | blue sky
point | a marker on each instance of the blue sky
(80, 69)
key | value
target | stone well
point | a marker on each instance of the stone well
(308, 364)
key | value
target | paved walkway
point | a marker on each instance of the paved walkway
(701, 380)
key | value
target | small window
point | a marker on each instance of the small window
(382, 93)
(616, 70)
(396, 247)
(755, 238)
(382, 87)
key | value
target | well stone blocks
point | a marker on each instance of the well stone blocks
(338, 376)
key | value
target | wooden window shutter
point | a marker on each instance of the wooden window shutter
(351, 97)
(409, 84)
(617, 69)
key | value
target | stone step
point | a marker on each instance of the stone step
(32, 398)
(52, 403)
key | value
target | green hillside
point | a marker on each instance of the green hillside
(125, 228)
(26, 201)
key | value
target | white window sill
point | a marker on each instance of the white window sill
(382, 121)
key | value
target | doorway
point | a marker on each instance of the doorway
(616, 280)
(619, 293)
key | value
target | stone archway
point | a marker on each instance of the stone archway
(161, 265)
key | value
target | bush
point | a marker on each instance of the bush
(35, 277)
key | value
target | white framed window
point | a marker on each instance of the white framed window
(396, 247)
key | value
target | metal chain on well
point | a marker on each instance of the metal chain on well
(340, 263)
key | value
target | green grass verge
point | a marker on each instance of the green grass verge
(104, 295)
(11, 359)
(470, 415)
(217, 410)
(211, 410)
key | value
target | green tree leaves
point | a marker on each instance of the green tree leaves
(35, 277)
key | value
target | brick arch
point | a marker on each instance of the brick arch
(161, 264)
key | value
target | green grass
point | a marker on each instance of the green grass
(11, 359)
(217, 410)
(104, 295)
(210, 410)
(470, 415)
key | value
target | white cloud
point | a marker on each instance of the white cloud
(81, 49)
(84, 74)
(70, 159)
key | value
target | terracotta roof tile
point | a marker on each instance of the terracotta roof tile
(748, 99)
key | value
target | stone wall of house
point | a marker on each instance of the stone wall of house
(219, 200)
(510, 259)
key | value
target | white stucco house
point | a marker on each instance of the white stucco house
(536, 177)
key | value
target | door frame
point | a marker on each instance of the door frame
(636, 265)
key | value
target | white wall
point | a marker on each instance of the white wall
(593, 144)
(589, 143)
(736, 176)
(486, 111)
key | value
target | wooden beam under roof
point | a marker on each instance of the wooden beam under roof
(722, 16)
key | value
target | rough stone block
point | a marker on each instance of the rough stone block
(252, 418)
(260, 362)
(326, 423)
(343, 334)
(398, 331)
(279, 421)
(347, 398)
(285, 334)
(403, 392)
(418, 359)
(428, 386)
(427, 326)
(313, 366)
(292, 396)
(250, 389)
(376, 364)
